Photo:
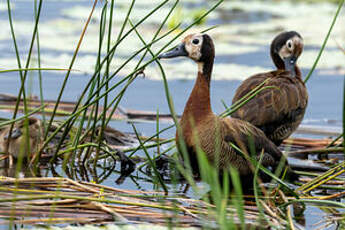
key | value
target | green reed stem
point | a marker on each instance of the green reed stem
(22, 88)
(150, 138)
(143, 56)
(96, 81)
(344, 117)
(88, 103)
(2, 124)
(152, 164)
(39, 70)
(31, 69)
(341, 2)
(70, 121)
(327, 203)
(138, 148)
(98, 78)
(100, 138)
(108, 61)
(255, 187)
(335, 139)
(323, 178)
(235, 104)
(157, 156)
(109, 54)
(169, 99)
(23, 76)
(166, 45)
(262, 168)
(70, 67)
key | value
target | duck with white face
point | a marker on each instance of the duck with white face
(202, 130)
(277, 111)
(287, 47)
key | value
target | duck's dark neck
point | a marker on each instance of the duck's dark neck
(279, 63)
(298, 72)
(198, 105)
(205, 69)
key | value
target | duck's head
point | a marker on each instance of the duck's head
(34, 125)
(285, 50)
(198, 47)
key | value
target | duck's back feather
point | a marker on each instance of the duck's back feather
(278, 110)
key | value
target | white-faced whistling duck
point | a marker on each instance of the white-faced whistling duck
(201, 128)
(277, 111)
(17, 141)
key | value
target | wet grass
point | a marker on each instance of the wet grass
(81, 139)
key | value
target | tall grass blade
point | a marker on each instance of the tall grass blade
(70, 67)
(152, 164)
(341, 2)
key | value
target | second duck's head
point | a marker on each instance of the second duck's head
(285, 50)
(198, 47)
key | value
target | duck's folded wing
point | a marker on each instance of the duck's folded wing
(244, 135)
(286, 100)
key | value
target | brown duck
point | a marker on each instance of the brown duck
(17, 141)
(278, 111)
(201, 128)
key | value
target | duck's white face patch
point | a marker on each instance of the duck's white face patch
(293, 46)
(193, 44)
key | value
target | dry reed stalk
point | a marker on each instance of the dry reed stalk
(310, 142)
(36, 211)
(317, 150)
(185, 210)
(40, 180)
(55, 203)
(101, 204)
(272, 213)
(115, 215)
(50, 221)
(332, 196)
(337, 182)
(288, 210)
(125, 191)
(87, 188)
(322, 179)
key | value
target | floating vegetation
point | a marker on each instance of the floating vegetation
(55, 200)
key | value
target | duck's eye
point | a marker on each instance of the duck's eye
(289, 44)
(195, 41)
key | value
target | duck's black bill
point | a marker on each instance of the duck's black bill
(290, 63)
(178, 51)
(15, 134)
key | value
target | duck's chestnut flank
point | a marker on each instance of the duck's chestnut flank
(202, 129)
(278, 111)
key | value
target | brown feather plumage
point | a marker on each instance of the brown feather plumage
(277, 111)
(202, 130)
(18, 145)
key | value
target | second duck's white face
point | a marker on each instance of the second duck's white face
(293, 46)
(193, 44)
